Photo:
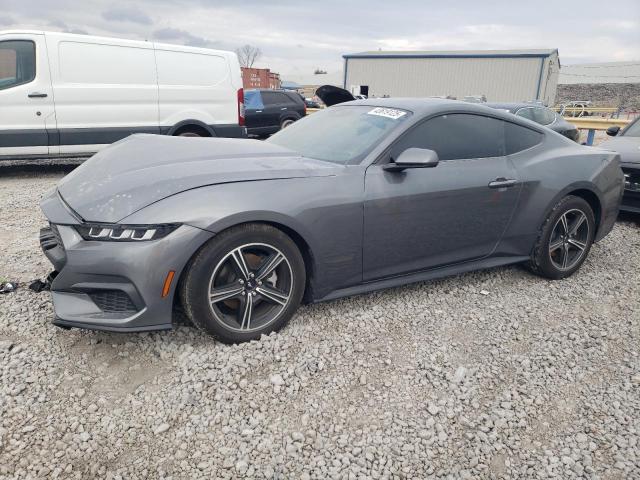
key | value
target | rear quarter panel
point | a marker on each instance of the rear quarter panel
(549, 172)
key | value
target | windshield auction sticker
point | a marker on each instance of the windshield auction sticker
(387, 112)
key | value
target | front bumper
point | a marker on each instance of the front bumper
(631, 196)
(114, 286)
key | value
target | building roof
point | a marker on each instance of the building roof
(540, 53)
(611, 72)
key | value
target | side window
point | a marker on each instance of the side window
(284, 98)
(293, 98)
(527, 113)
(17, 63)
(520, 138)
(457, 136)
(272, 98)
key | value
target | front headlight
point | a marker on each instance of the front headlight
(125, 233)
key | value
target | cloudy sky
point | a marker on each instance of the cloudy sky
(298, 36)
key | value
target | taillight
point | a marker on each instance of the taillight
(241, 107)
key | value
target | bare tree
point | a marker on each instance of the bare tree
(248, 55)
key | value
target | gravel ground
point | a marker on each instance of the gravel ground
(495, 374)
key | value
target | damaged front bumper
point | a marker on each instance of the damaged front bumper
(113, 286)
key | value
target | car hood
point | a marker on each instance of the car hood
(331, 95)
(143, 169)
(627, 147)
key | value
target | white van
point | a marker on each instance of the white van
(63, 94)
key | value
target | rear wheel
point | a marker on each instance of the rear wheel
(189, 134)
(248, 281)
(286, 123)
(564, 240)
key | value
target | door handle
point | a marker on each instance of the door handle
(283, 108)
(258, 111)
(37, 95)
(503, 183)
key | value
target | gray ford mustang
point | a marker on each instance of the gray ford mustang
(365, 195)
(627, 144)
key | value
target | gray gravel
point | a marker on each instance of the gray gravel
(494, 374)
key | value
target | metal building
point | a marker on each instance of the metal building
(499, 75)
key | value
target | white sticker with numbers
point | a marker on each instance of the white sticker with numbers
(392, 113)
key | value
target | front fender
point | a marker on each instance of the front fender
(326, 212)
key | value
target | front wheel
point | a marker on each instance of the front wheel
(246, 282)
(564, 240)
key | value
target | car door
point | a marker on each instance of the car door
(275, 104)
(27, 116)
(420, 219)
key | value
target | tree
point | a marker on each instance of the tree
(248, 55)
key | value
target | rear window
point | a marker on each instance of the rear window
(526, 113)
(17, 63)
(191, 69)
(543, 116)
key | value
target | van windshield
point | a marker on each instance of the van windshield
(340, 134)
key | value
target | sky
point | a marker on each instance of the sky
(296, 37)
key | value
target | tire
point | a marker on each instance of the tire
(189, 134)
(286, 123)
(269, 296)
(554, 244)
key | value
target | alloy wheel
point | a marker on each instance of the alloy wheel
(250, 287)
(569, 239)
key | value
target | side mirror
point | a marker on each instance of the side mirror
(613, 131)
(413, 158)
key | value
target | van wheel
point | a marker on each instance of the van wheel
(285, 123)
(192, 131)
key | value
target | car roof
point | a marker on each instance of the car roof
(427, 106)
(282, 90)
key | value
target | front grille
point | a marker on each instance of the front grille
(113, 301)
(56, 235)
(631, 179)
(50, 238)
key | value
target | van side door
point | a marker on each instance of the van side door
(27, 116)
(105, 90)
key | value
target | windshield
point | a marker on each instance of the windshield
(342, 134)
(632, 130)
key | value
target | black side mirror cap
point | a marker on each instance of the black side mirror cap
(613, 131)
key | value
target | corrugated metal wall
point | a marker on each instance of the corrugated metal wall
(549, 84)
(500, 79)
